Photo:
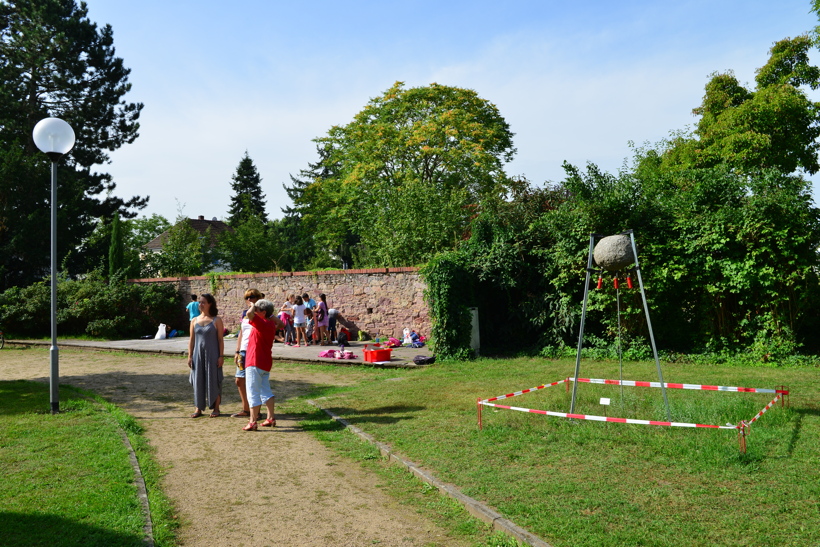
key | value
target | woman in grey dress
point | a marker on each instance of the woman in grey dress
(205, 357)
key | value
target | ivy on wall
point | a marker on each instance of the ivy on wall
(449, 295)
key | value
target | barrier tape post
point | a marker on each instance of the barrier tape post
(741, 436)
(784, 401)
(478, 405)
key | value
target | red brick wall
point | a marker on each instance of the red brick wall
(378, 301)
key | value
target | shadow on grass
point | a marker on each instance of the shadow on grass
(47, 529)
(149, 394)
(798, 426)
(25, 397)
(379, 415)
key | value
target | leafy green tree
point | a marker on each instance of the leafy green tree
(55, 62)
(248, 200)
(726, 228)
(116, 252)
(251, 247)
(141, 230)
(184, 253)
(774, 126)
(302, 222)
(409, 173)
(137, 232)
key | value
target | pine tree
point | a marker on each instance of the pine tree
(54, 61)
(248, 200)
(303, 251)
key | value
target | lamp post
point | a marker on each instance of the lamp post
(55, 138)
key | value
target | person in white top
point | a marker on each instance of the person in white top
(299, 320)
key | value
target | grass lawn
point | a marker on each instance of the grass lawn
(67, 479)
(591, 483)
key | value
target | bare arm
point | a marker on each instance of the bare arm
(238, 344)
(220, 336)
(191, 345)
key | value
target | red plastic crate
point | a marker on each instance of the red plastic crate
(376, 355)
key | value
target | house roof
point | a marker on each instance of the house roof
(199, 224)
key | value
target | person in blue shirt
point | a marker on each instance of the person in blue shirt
(309, 302)
(193, 308)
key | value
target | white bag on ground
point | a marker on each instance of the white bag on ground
(161, 332)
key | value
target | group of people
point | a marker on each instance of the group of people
(258, 331)
(306, 322)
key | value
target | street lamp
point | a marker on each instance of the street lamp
(55, 138)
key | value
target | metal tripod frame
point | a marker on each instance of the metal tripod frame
(637, 269)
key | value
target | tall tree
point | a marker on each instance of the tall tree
(184, 252)
(413, 168)
(247, 201)
(55, 62)
(774, 126)
(251, 247)
(302, 225)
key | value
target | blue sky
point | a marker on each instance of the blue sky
(576, 81)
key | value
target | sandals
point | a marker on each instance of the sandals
(196, 414)
(270, 422)
(250, 427)
(242, 414)
(215, 414)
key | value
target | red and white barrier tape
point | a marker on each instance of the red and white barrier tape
(523, 391)
(679, 386)
(743, 425)
(767, 407)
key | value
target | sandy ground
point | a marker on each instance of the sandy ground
(234, 488)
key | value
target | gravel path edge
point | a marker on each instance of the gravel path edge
(473, 506)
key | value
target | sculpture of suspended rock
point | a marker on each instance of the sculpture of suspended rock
(614, 253)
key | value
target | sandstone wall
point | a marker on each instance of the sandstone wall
(379, 301)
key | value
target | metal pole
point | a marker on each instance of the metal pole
(649, 325)
(55, 353)
(620, 350)
(583, 319)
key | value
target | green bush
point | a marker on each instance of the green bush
(91, 306)
(25, 310)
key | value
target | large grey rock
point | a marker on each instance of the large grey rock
(614, 253)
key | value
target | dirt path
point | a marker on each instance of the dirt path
(234, 488)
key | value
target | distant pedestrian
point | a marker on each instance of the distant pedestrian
(286, 316)
(322, 319)
(299, 321)
(193, 308)
(332, 317)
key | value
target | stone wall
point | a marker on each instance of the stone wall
(379, 301)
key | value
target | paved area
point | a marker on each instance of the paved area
(399, 357)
